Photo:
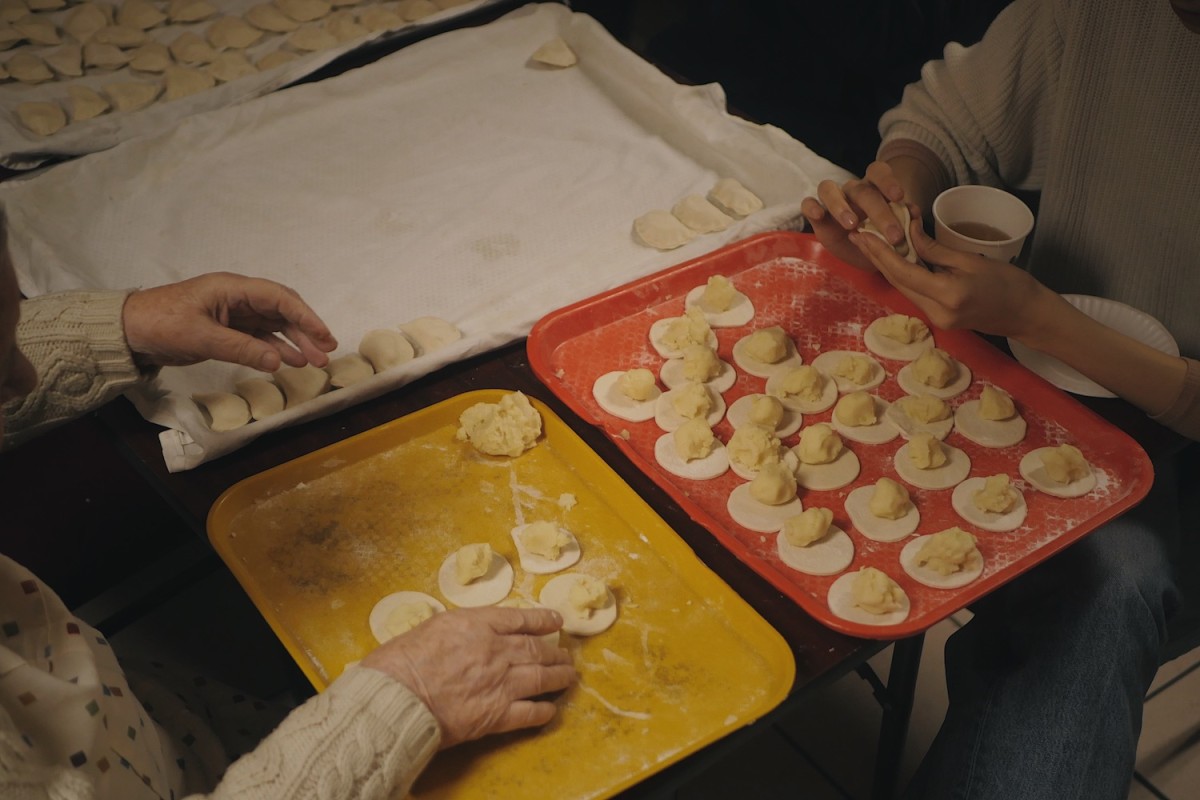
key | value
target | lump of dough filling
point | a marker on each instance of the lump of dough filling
(718, 295)
(889, 500)
(805, 382)
(692, 401)
(544, 539)
(997, 495)
(694, 439)
(471, 562)
(874, 592)
(902, 328)
(766, 411)
(819, 444)
(854, 368)
(952, 550)
(691, 328)
(935, 368)
(406, 616)
(924, 408)
(753, 446)
(807, 527)
(856, 409)
(637, 384)
(925, 451)
(587, 594)
(1065, 464)
(700, 363)
(507, 428)
(769, 345)
(996, 405)
(774, 485)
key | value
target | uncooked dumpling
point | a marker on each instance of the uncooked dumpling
(276, 59)
(42, 118)
(83, 21)
(344, 27)
(122, 36)
(190, 10)
(131, 95)
(13, 10)
(555, 53)
(430, 333)
(385, 348)
(905, 248)
(662, 230)
(268, 18)
(37, 30)
(28, 68)
(223, 411)
(304, 10)
(301, 384)
(9, 36)
(151, 57)
(413, 10)
(231, 65)
(140, 14)
(734, 199)
(700, 215)
(186, 81)
(349, 370)
(67, 60)
(188, 48)
(377, 18)
(105, 56)
(232, 32)
(311, 39)
(86, 103)
(263, 397)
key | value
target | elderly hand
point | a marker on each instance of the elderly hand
(841, 210)
(964, 290)
(476, 668)
(225, 317)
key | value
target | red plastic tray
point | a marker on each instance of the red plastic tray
(825, 304)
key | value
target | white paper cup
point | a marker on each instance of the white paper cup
(985, 205)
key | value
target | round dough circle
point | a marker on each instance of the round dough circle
(988, 432)
(568, 555)
(826, 477)
(789, 460)
(1034, 471)
(829, 395)
(910, 384)
(389, 603)
(667, 418)
(828, 361)
(909, 427)
(711, 466)
(952, 473)
(488, 590)
(672, 375)
(879, 433)
(955, 580)
(841, 602)
(610, 397)
(828, 555)
(739, 415)
(555, 595)
(885, 347)
(880, 529)
(659, 328)
(762, 369)
(963, 501)
(757, 516)
(739, 312)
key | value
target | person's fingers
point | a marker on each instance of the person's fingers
(900, 273)
(932, 251)
(226, 344)
(812, 210)
(834, 199)
(867, 197)
(525, 649)
(535, 621)
(525, 714)
(880, 174)
(287, 353)
(531, 680)
(313, 352)
(271, 300)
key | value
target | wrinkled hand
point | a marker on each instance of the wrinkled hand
(476, 668)
(225, 317)
(963, 290)
(837, 211)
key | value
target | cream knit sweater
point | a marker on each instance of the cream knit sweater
(62, 707)
(1096, 105)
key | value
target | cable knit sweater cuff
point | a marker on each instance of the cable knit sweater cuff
(365, 737)
(1183, 416)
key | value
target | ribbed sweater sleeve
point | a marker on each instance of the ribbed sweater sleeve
(366, 737)
(77, 345)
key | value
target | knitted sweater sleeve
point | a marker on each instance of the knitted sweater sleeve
(76, 342)
(985, 111)
(366, 737)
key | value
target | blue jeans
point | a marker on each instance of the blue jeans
(1046, 682)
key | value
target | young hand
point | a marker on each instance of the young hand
(838, 211)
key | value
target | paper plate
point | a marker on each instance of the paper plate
(1118, 316)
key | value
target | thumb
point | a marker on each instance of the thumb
(933, 252)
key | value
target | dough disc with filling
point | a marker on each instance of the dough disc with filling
(988, 432)
(658, 329)
(555, 594)
(762, 369)
(908, 427)
(1033, 470)
(829, 395)
(880, 529)
(667, 418)
(608, 394)
(826, 477)
(740, 311)
(841, 602)
(789, 460)
(910, 384)
(488, 590)
(390, 603)
(713, 465)
(739, 415)
(953, 472)
(538, 565)
(880, 432)
(827, 362)
(929, 577)
(963, 500)
(887, 347)
(828, 555)
(758, 516)
(672, 376)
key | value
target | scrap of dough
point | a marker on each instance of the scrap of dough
(385, 348)
(28, 68)
(262, 395)
(311, 39)
(105, 56)
(151, 57)
(304, 10)
(140, 14)
(82, 22)
(267, 17)
(487, 590)
(348, 370)
(905, 248)
(185, 81)
(37, 30)
(734, 199)
(389, 618)
(42, 118)
(301, 384)
(232, 32)
(85, 103)
(567, 593)
(131, 95)
(223, 411)
(67, 60)
(377, 18)
(231, 65)
(188, 48)
(430, 333)
(880, 528)
(276, 59)
(122, 36)
(507, 428)
(700, 215)
(544, 547)
(661, 230)
(344, 27)
(555, 53)
(190, 10)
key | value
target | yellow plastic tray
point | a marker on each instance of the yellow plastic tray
(317, 541)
